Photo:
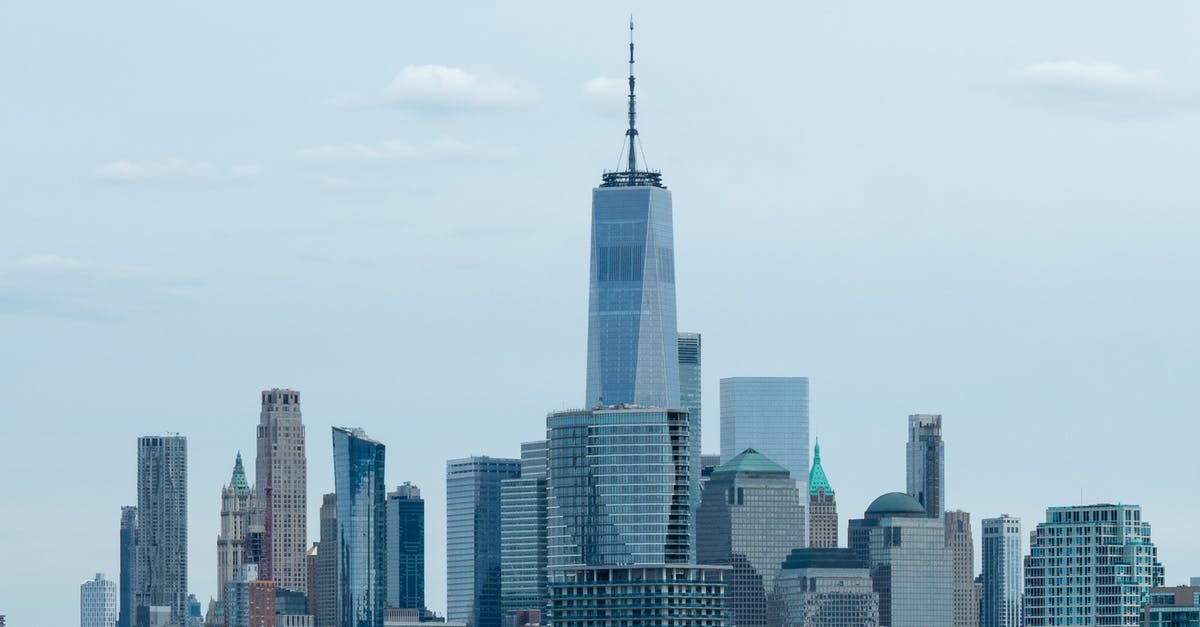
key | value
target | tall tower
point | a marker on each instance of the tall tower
(1002, 577)
(358, 463)
(689, 396)
(769, 415)
(128, 583)
(281, 489)
(962, 551)
(523, 533)
(326, 592)
(927, 463)
(473, 538)
(822, 507)
(406, 547)
(162, 525)
(632, 335)
(235, 513)
(98, 602)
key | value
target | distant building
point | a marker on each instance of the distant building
(127, 614)
(523, 536)
(824, 587)
(1112, 565)
(926, 456)
(822, 507)
(962, 551)
(473, 538)
(358, 463)
(98, 602)
(327, 565)
(769, 415)
(312, 561)
(194, 616)
(1173, 607)
(235, 515)
(911, 568)
(708, 463)
(1002, 579)
(689, 398)
(162, 527)
(750, 518)
(406, 548)
(281, 489)
(678, 595)
(241, 594)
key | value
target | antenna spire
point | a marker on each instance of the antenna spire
(632, 132)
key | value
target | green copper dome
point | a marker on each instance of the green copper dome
(816, 477)
(750, 461)
(895, 504)
(239, 475)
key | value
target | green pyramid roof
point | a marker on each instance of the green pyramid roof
(239, 474)
(750, 461)
(816, 476)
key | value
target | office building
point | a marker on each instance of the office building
(962, 551)
(1090, 565)
(678, 595)
(769, 415)
(473, 538)
(248, 598)
(162, 562)
(750, 518)
(926, 456)
(822, 506)
(312, 560)
(911, 568)
(1002, 581)
(194, 616)
(235, 514)
(1173, 607)
(406, 548)
(281, 489)
(127, 607)
(358, 464)
(98, 602)
(326, 595)
(523, 535)
(689, 397)
(824, 587)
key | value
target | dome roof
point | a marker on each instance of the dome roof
(894, 503)
(750, 461)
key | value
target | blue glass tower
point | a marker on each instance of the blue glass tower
(406, 548)
(361, 528)
(632, 352)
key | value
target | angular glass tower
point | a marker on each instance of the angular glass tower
(632, 352)
(769, 415)
(361, 528)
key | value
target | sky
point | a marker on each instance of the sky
(983, 210)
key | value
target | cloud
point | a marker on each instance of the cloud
(172, 170)
(605, 88)
(441, 87)
(1095, 80)
(396, 150)
(68, 287)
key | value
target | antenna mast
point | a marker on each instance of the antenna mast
(632, 132)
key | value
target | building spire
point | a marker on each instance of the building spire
(239, 474)
(816, 477)
(631, 175)
(632, 132)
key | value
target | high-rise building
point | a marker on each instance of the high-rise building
(235, 514)
(250, 601)
(1090, 565)
(473, 538)
(327, 564)
(1173, 607)
(911, 568)
(751, 518)
(195, 618)
(358, 464)
(162, 526)
(406, 548)
(926, 455)
(127, 613)
(620, 487)
(281, 489)
(822, 507)
(769, 415)
(962, 551)
(689, 397)
(678, 595)
(312, 559)
(824, 587)
(98, 602)
(523, 534)
(1002, 577)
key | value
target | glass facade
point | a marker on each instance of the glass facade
(769, 415)
(1002, 577)
(473, 538)
(406, 548)
(689, 396)
(1174, 607)
(98, 602)
(523, 533)
(620, 487)
(162, 526)
(824, 587)
(641, 596)
(926, 457)
(358, 464)
(632, 335)
(128, 537)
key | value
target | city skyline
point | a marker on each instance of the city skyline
(214, 418)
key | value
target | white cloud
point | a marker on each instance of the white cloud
(605, 88)
(438, 86)
(1092, 77)
(171, 170)
(395, 149)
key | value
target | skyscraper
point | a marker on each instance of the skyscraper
(523, 533)
(235, 514)
(769, 415)
(1002, 580)
(98, 602)
(911, 568)
(822, 507)
(327, 564)
(312, 560)
(824, 587)
(406, 548)
(926, 455)
(281, 489)
(689, 396)
(358, 464)
(1106, 576)
(128, 586)
(962, 552)
(751, 518)
(473, 538)
(162, 526)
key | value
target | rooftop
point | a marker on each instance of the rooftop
(893, 504)
(751, 461)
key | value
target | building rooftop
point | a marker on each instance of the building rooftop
(895, 503)
(751, 461)
(817, 480)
